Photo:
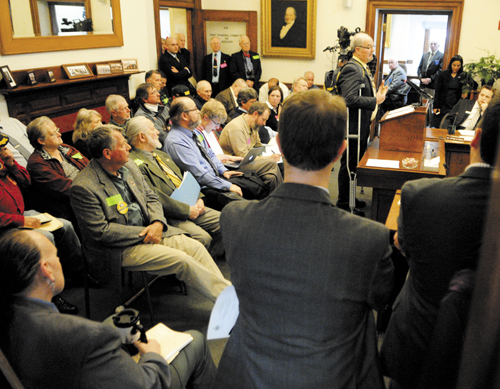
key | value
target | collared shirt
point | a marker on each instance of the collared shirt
(187, 156)
(479, 164)
(238, 138)
(475, 108)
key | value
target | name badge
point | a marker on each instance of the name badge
(256, 56)
(114, 200)
(436, 62)
(223, 65)
(138, 161)
(77, 156)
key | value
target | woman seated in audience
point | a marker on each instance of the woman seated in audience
(448, 90)
(51, 350)
(274, 101)
(86, 121)
(212, 116)
(52, 167)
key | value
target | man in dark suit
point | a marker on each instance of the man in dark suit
(228, 97)
(122, 221)
(440, 230)
(467, 113)
(245, 64)
(356, 86)
(215, 68)
(429, 68)
(175, 66)
(305, 294)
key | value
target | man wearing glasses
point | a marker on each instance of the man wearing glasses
(356, 86)
(147, 100)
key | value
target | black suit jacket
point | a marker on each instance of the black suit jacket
(165, 64)
(237, 66)
(433, 70)
(224, 70)
(459, 113)
(295, 37)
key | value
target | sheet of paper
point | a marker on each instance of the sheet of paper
(272, 149)
(224, 314)
(171, 342)
(465, 133)
(383, 163)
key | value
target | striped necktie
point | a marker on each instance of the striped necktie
(169, 172)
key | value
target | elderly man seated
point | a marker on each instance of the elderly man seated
(147, 98)
(118, 109)
(204, 92)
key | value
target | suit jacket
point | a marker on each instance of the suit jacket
(237, 67)
(165, 64)
(295, 37)
(51, 350)
(395, 81)
(459, 113)
(353, 79)
(226, 98)
(105, 232)
(224, 70)
(440, 227)
(305, 294)
(433, 70)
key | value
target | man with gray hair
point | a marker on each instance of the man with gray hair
(309, 76)
(242, 134)
(164, 177)
(299, 85)
(203, 93)
(215, 68)
(122, 221)
(117, 107)
(229, 96)
(245, 64)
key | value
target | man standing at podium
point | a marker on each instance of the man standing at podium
(356, 86)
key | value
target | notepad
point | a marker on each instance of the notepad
(171, 342)
(188, 192)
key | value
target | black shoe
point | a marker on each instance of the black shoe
(63, 306)
(345, 207)
(360, 203)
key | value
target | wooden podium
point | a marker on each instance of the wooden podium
(403, 129)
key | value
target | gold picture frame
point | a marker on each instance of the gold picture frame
(283, 39)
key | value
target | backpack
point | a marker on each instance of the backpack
(332, 78)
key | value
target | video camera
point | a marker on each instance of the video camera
(344, 37)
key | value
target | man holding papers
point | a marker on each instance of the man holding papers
(164, 177)
(306, 273)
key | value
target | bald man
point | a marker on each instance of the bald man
(203, 93)
(245, 64)
(174, 66)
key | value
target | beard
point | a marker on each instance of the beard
(193, 124)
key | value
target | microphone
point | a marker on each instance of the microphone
(328, 49)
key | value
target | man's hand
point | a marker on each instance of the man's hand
(201, 206)
(152, 233)
(174, 70)
(425, 81)
(236, 189)
(234, 158)
(483, 105)
(228, 174)
(32, 222)
(194, 212)
(250, 83)
(151, 347)
(382, 91)
(275, 157)
(7, 156)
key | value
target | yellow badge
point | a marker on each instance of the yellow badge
(122, 207)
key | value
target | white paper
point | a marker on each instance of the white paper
(272, 149)
(224, 314)
(383, 163)
(465, 133)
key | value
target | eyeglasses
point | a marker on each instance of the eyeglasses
(214, 122)
(56, 132)
(191, 110)
(366, 47)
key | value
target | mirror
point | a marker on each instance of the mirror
(58, 25)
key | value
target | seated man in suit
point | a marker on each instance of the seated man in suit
(122, 221)
(19, 143)
(324, 268)
(242, 134)
(245, 64)
(264, 89)
(147, 99)
(203, 93)
(440, 230)
(175, 67)
(466, 114)
(395, 83)
(229, 96)
(118, 109)
(163, 177)
(192, 154)
(215, 68)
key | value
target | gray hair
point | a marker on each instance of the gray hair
(134, 127)
(112, 102)
(36, 130)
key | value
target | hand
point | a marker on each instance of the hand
(201, 206)
(223, 157)
(425, 81)
(32, 222)
(7, 156)
(194, 212)
(464, 95)
(436, 111)
(234, 158)
(174, 70)
(151, 347)
(382, 91)
(236, 189)
(153, 233)
(229, 173)
(250, 83)
(275, 157)
(483, 106)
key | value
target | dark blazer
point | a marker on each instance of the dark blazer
(165, 64)
(51, 350)
(305, 294)
(237, 66)
(459, 113)
(186, 54)
(433, 70)
(226, 98)
(443, 84)
(440, 227)
(105, 232)
(295, 37)
(224, 70)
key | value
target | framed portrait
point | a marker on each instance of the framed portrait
(130, 65)
(289, 28)
(78, 71)
(116, 67)
(31, 77)
(103, 69)
(7, 76)
(50, 76)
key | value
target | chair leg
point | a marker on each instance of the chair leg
(148, 296)
(86, 286)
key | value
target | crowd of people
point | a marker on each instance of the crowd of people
(293, 256)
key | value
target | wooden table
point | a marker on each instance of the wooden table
(457, 154)
(392, 219)
(386, 181)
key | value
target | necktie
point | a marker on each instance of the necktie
(170, 173)
(429, 61)
(474, 119)
(246, 55)
(204, 154)
(215, 65)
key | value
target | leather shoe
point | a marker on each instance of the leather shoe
(63, 306)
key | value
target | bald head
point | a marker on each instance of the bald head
(204, 90)
(245, 43)
(171, 45)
